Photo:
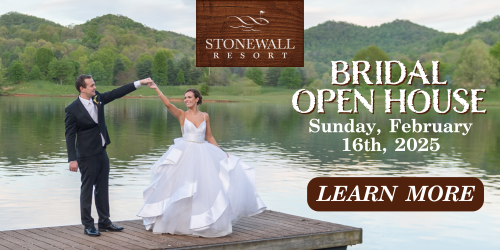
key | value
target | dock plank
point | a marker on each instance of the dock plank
(30, 243)
(41, 239)
(267, 230)
(95, 242)
(107, 241)
(18, 242)
(162, 239)
(76, 243)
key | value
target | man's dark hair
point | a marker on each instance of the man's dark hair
(80, 81)
(196, 93)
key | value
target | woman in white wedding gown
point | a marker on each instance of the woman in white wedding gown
(196, 188)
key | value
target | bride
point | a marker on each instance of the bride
(196, 188)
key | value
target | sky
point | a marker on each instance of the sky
(180, 15)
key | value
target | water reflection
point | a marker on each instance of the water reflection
(38, 190)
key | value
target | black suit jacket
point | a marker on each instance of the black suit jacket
(82, 133)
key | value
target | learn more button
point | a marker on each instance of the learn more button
(395, 194)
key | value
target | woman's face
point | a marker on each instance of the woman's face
(189, 99)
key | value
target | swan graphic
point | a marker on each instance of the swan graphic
(248, 22)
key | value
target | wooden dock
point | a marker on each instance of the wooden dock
(268, 230)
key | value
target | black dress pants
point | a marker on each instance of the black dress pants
(95, 172)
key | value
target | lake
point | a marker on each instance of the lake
(38, 190)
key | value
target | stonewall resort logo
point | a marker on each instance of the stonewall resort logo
(248, 25)
(249, 33)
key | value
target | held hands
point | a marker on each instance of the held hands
(146, 81)
(152, 85)
(73, 166)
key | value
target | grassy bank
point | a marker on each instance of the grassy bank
(219, 93)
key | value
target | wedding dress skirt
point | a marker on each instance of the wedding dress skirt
(197, 190)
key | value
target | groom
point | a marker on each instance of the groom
(86, 141)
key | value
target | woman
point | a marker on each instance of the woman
(196, 188)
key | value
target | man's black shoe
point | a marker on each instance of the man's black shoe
(111, 227)
(91, 231)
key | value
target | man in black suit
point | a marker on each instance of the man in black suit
(86, 141)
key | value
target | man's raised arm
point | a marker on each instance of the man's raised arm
(122, 91)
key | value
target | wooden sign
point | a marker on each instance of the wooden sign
(249, 33)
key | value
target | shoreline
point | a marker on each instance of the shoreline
(129, 97)
(181, 100)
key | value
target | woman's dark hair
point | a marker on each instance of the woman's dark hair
(80, 81)
(197, 94)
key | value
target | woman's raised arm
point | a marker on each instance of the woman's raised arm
(178, 113)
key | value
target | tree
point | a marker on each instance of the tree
(6, 59)
(43, 32)
(255, 74)
(171, 72)
(106, 56)
(273, 75)
(290, 78)
(143, 57)
(168, 54)
(26, 35)
(3, 73)
(371, 54)
(204, 89)
(218, 77)
(128, 64)
(495, 53)
(80, 55)
(35, 74)
(119, 67)
(476, 66)
(159, 69)
(77, 67)
(495, 50)
(43, 57)
(196, 74)
(13, 57)
(303, 79)
(143, 69)
(58, 54)
(309, 71)
(61, 69)
(180, 77)
(55, 38)
(16, 72)
(3, 31)
(98, 73)
(185, 66)
(17, 50)
(28, 58)
(108, 42)
(92, 39)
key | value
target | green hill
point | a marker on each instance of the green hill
(490, 30)
(401, 39)
(22, 21)
(104, 39)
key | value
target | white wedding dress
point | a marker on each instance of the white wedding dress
(197, 190)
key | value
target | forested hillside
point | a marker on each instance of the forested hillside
(117, 50)
(407, 42)
(114, 49)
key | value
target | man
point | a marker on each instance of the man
(86, 141)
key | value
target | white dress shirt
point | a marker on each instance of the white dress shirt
(92, 109)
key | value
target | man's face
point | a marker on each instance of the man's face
(89, 90)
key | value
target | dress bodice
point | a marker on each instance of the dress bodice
(192, 133)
